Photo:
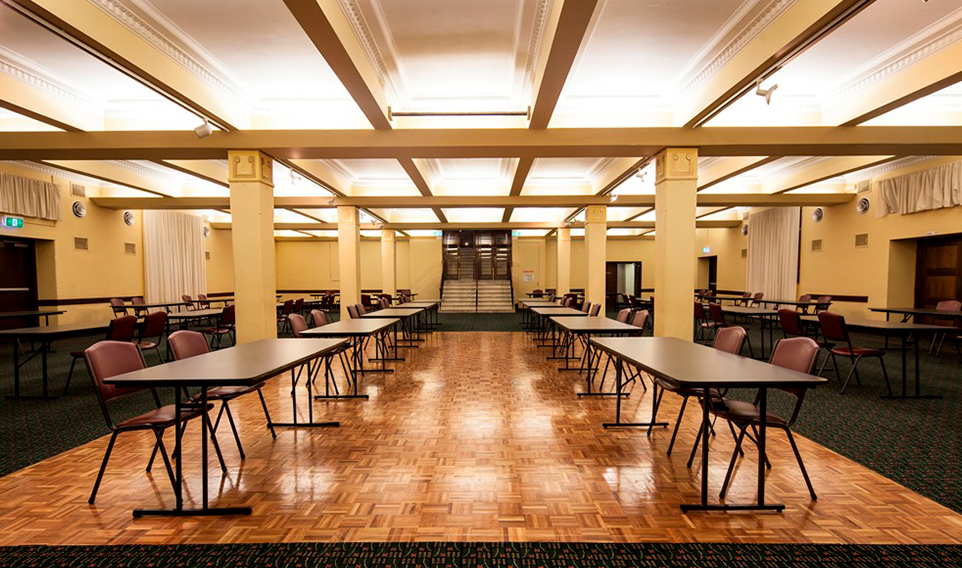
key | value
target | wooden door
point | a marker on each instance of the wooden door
(18, 279)
(938, 271)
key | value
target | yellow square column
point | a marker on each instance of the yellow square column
(676, 185)
(564, 262)
(349, 256)
(596, 250)
(388, 262)
(250, 174)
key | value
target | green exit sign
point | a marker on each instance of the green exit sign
(12, 222)
(706, 250)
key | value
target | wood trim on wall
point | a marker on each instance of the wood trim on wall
(844, 298)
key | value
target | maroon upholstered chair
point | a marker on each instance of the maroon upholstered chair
(383, 303)
(111, 358)
(594, 310)
(586, 307)
(640, 319)
(185, 344)
(834, 330)
(319, 318)
(729, 340)
(287, 308)
(298, 324)
(714, 321)
(189, 301)
(119, 329)
(152, 331)
(138, 301)
(755, 299)
(298, 307)
(225, 327)
(118, 306)
(352, 311)
(203, 302)
(623, 315)
(744, 301)
(823, 299)
(945, 306)
(793, 326)
(797, 354)
(361, 310)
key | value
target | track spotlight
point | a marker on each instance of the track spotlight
(204, 130)
(767, 93)
(613, 197)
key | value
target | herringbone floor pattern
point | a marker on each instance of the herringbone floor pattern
(476, 437)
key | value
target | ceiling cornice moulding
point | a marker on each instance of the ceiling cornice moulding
(32, 74)
(535, 45)
(354, 15)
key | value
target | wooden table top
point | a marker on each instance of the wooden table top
(56, 330)
(597, 325)
(866, 324)
(191, 314)
(690, 365)
(30, 313)
(351, 327)
(243, 365)
(559, 311)
(394, 313)
(919, 312)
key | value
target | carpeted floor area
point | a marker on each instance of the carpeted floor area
(484, 555)
(914, 442)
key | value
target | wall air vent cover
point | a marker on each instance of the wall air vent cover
(78, 190)
(861, 240)
(863, 186)
(745, 229)
(207, 254)
(130, 248)
(744, 253)
(863, 205)
(80, 243)
(79, 209)
(816, 244)
(818, 214)
(129, 218)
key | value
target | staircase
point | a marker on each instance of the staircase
(493, 296)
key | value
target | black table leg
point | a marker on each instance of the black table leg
(17, 364)
(918, 386)
(357, 354)
(619, 374)
(589, 378)
(310, 401)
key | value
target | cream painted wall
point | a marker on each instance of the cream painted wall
(103, 270)
(727, 245)
(220, 265)
(617, 250)
(528, 254)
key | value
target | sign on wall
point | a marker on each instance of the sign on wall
(12, 222)
(527, 276)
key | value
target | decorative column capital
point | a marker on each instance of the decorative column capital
(346, 214)
(250, 166)
(676, 163)
(596, 214)
(387, 235)
(564, 234)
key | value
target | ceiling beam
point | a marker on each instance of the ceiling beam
(566, 37)
(286, 226)
(324, 176)
(93, 30)
(487, 201)
(799, 26)
(206, 170)
(415, 174)
(728, 168)
(328, 28)
(111, 172)
(487, 143)
(46, 107)
(820, 171)
(517, 183)
(910, 83)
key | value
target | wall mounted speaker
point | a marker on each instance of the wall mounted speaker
(79, 209)
(128, 218)
(862, 205)
(818, 214)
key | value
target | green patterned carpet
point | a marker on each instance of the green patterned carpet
(914, 442)
(483, 555)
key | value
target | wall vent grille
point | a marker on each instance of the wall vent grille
(78, 190)
(130, 248)
(816, 244)
(861, 240)
(80, 243)
(207, 254)
(744, 253)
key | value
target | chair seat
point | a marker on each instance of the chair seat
(684, 392)
(741, 411)
(710, 324)
(147, 345)
(162, 417)
(222, 393)
(217, 330)
(857, 352)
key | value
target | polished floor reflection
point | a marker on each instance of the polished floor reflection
(476, 437)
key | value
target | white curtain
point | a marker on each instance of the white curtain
(773, 252)
(30, 197)
(173, 256)
(934, 188)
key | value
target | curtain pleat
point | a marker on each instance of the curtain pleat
(773, 252)
(929, 189)
(174, 262)
(30, 197)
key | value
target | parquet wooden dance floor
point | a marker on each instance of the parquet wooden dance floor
(476, 437)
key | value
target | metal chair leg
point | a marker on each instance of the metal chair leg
(731, 464)
(267, 413)
(694, 447)
(801, 466)
(69, 375)
(103, 467)
(885, 374)
(233, 427)
(163, 454)
(674, 433)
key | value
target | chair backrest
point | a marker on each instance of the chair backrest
(623, 315)
(122, 328)
(568, 301)
(137, 301)
(384, 303)
(730, 339)
(365, 299)
(796, 354)
(319, 318)
(107, 359)
(187, 300)
(361, 310)
(117, 305)
(537, 293)
(805, 298)
(699, 311)
(758, 296)
(298, 305)
(227, 317)
(287, 308)
(154, 325)
(202, 297)
(184, 344)
(552, 297)
(640, 319)
(586, 307)
(595, 310)
(717, 315)
(949, 306)
(352, 311)
(833, 326)
(791, 322)
(298, 325)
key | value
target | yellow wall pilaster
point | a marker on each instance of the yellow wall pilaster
(676, 185)
(388, 262)
(564, 261)
(250, 174)
(596, 245)
(349, 256)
